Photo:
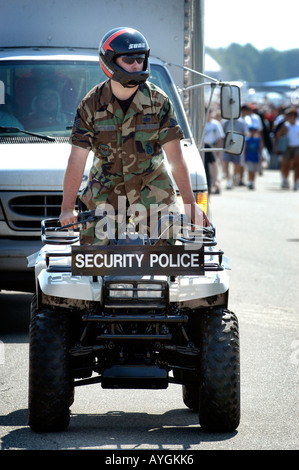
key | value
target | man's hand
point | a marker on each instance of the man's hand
(182, 178)
(68, 216)
(197, 215)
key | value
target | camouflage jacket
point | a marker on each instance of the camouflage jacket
(128, 158)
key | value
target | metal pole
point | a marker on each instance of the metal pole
(198, 60)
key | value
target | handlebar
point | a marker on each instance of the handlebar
(83, 217)
(50, 229)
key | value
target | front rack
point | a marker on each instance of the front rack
(209, 259)
(60, 261)
(52, 233)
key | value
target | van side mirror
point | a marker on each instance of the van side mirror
(234, 143)
(230, 101)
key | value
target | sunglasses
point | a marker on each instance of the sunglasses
(130, 59)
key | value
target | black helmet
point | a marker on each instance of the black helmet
(123, 41)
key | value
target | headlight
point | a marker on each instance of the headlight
(129, 291)
(202, 200)
(121, 290)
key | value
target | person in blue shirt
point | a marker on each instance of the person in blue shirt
(253, 153)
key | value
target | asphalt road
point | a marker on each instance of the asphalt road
(259, 232)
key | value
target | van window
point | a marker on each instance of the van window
(42, 96)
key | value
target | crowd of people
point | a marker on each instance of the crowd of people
(271, 134)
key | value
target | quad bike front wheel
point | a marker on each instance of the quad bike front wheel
(219, 391)
(49, 370)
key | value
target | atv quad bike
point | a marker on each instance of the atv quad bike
(132, 314)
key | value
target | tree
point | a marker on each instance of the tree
(249, 64)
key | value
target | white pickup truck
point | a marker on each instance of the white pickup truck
(34, 153)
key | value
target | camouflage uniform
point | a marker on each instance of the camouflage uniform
(128, 158)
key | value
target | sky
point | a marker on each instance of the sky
(262, 23)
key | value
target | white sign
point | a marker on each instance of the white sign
(135, 260)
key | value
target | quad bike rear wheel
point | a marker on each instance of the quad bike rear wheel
(50, 385)
(191, 396)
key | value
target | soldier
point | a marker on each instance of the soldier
(126, 121)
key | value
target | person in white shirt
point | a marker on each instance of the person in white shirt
(213, 138)
(253, 119)
(290, 158)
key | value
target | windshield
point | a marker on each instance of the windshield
(42, 96)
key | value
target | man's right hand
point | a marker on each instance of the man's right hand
(68, 216)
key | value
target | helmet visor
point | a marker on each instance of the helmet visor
(130, 59)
